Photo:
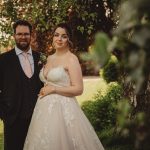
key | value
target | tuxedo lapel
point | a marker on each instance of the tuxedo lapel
(16, 63)
(36, 59)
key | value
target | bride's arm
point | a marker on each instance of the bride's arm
(75, 73)
(76, 85)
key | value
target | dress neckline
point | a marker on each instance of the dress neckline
(45, 75)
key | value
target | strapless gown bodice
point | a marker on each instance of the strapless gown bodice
(57, 76)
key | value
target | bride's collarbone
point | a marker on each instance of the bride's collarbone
(49, 68)
(54, 64)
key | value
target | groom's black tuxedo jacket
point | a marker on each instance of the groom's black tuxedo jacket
(12, 85)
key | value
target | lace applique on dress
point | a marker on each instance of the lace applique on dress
(58, 122)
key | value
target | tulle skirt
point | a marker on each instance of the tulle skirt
(58, 123)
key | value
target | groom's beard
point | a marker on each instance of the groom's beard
(23, 45)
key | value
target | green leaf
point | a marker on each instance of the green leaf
(101, 48)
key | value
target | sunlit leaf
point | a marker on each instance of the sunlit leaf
(101, 48)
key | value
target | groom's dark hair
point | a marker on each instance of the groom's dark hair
(22, 23)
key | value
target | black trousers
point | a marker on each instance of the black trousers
(14, 136)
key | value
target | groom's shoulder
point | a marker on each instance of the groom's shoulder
(7, 54)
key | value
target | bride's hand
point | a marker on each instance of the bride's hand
(46, 90)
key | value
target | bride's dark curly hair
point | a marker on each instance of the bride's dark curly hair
(68, 31)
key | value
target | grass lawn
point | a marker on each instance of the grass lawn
(1, 135)
(90, 88)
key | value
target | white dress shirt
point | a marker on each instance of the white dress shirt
(30, 57)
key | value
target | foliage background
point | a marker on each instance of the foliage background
(129, 42)
(84, 16)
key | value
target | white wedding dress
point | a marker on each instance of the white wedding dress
(58, 122)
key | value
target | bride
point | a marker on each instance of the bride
(58, 122)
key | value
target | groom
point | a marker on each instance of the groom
(19, 86)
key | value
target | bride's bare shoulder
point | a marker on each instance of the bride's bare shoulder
(73, 58)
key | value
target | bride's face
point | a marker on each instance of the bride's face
(60, 39)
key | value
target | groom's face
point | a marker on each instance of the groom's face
(22, 37)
